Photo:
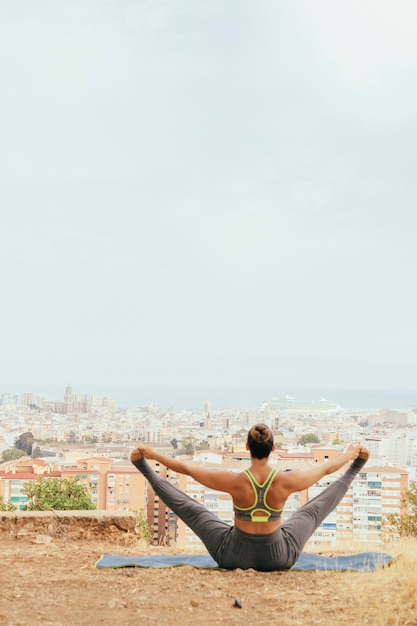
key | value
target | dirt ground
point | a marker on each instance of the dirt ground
(52, 581)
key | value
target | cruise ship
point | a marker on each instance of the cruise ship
(288, 403)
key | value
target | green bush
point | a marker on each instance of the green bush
(59, 494)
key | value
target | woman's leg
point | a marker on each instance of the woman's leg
(302, 524)
(207, 526)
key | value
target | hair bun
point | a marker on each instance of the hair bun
(261, 432)
(260, 441)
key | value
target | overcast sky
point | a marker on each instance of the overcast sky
(208, 200)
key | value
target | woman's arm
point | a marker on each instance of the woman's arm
(221, 481)
(297, 481)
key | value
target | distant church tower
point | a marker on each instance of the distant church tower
(207, 420)
(68, 399)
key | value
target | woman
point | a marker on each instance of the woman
(258, 539)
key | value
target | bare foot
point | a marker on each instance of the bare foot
(136, 455)
(364, 454)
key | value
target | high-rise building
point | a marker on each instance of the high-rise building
(161, 521)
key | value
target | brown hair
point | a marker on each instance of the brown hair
(260, 441)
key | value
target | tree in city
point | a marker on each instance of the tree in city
(203, 445)
(174, 443)
(59, 494)
(405, 524)
(91, 439)
(25, 442)
(36, 452)
(6, 506)
(11, 454)
(308, 438)
(188, 445)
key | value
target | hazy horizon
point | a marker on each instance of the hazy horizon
(185, 398)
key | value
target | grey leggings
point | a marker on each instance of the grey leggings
(231, 547)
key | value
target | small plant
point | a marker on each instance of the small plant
(404, 524)
(7, 506)
(143, 527)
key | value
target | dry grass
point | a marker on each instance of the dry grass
(386, 597)
(53, 582)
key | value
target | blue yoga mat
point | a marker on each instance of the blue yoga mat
(362, 562)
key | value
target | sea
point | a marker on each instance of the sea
(189, 398)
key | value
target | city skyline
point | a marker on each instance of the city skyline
(184, 399)
(209, 202)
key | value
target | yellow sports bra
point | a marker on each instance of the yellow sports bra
(259, 511)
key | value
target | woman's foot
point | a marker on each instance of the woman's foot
(364, 454)
(136, 455)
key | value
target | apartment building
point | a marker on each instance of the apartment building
(111, 487)
(374, 493)
(161, 520)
